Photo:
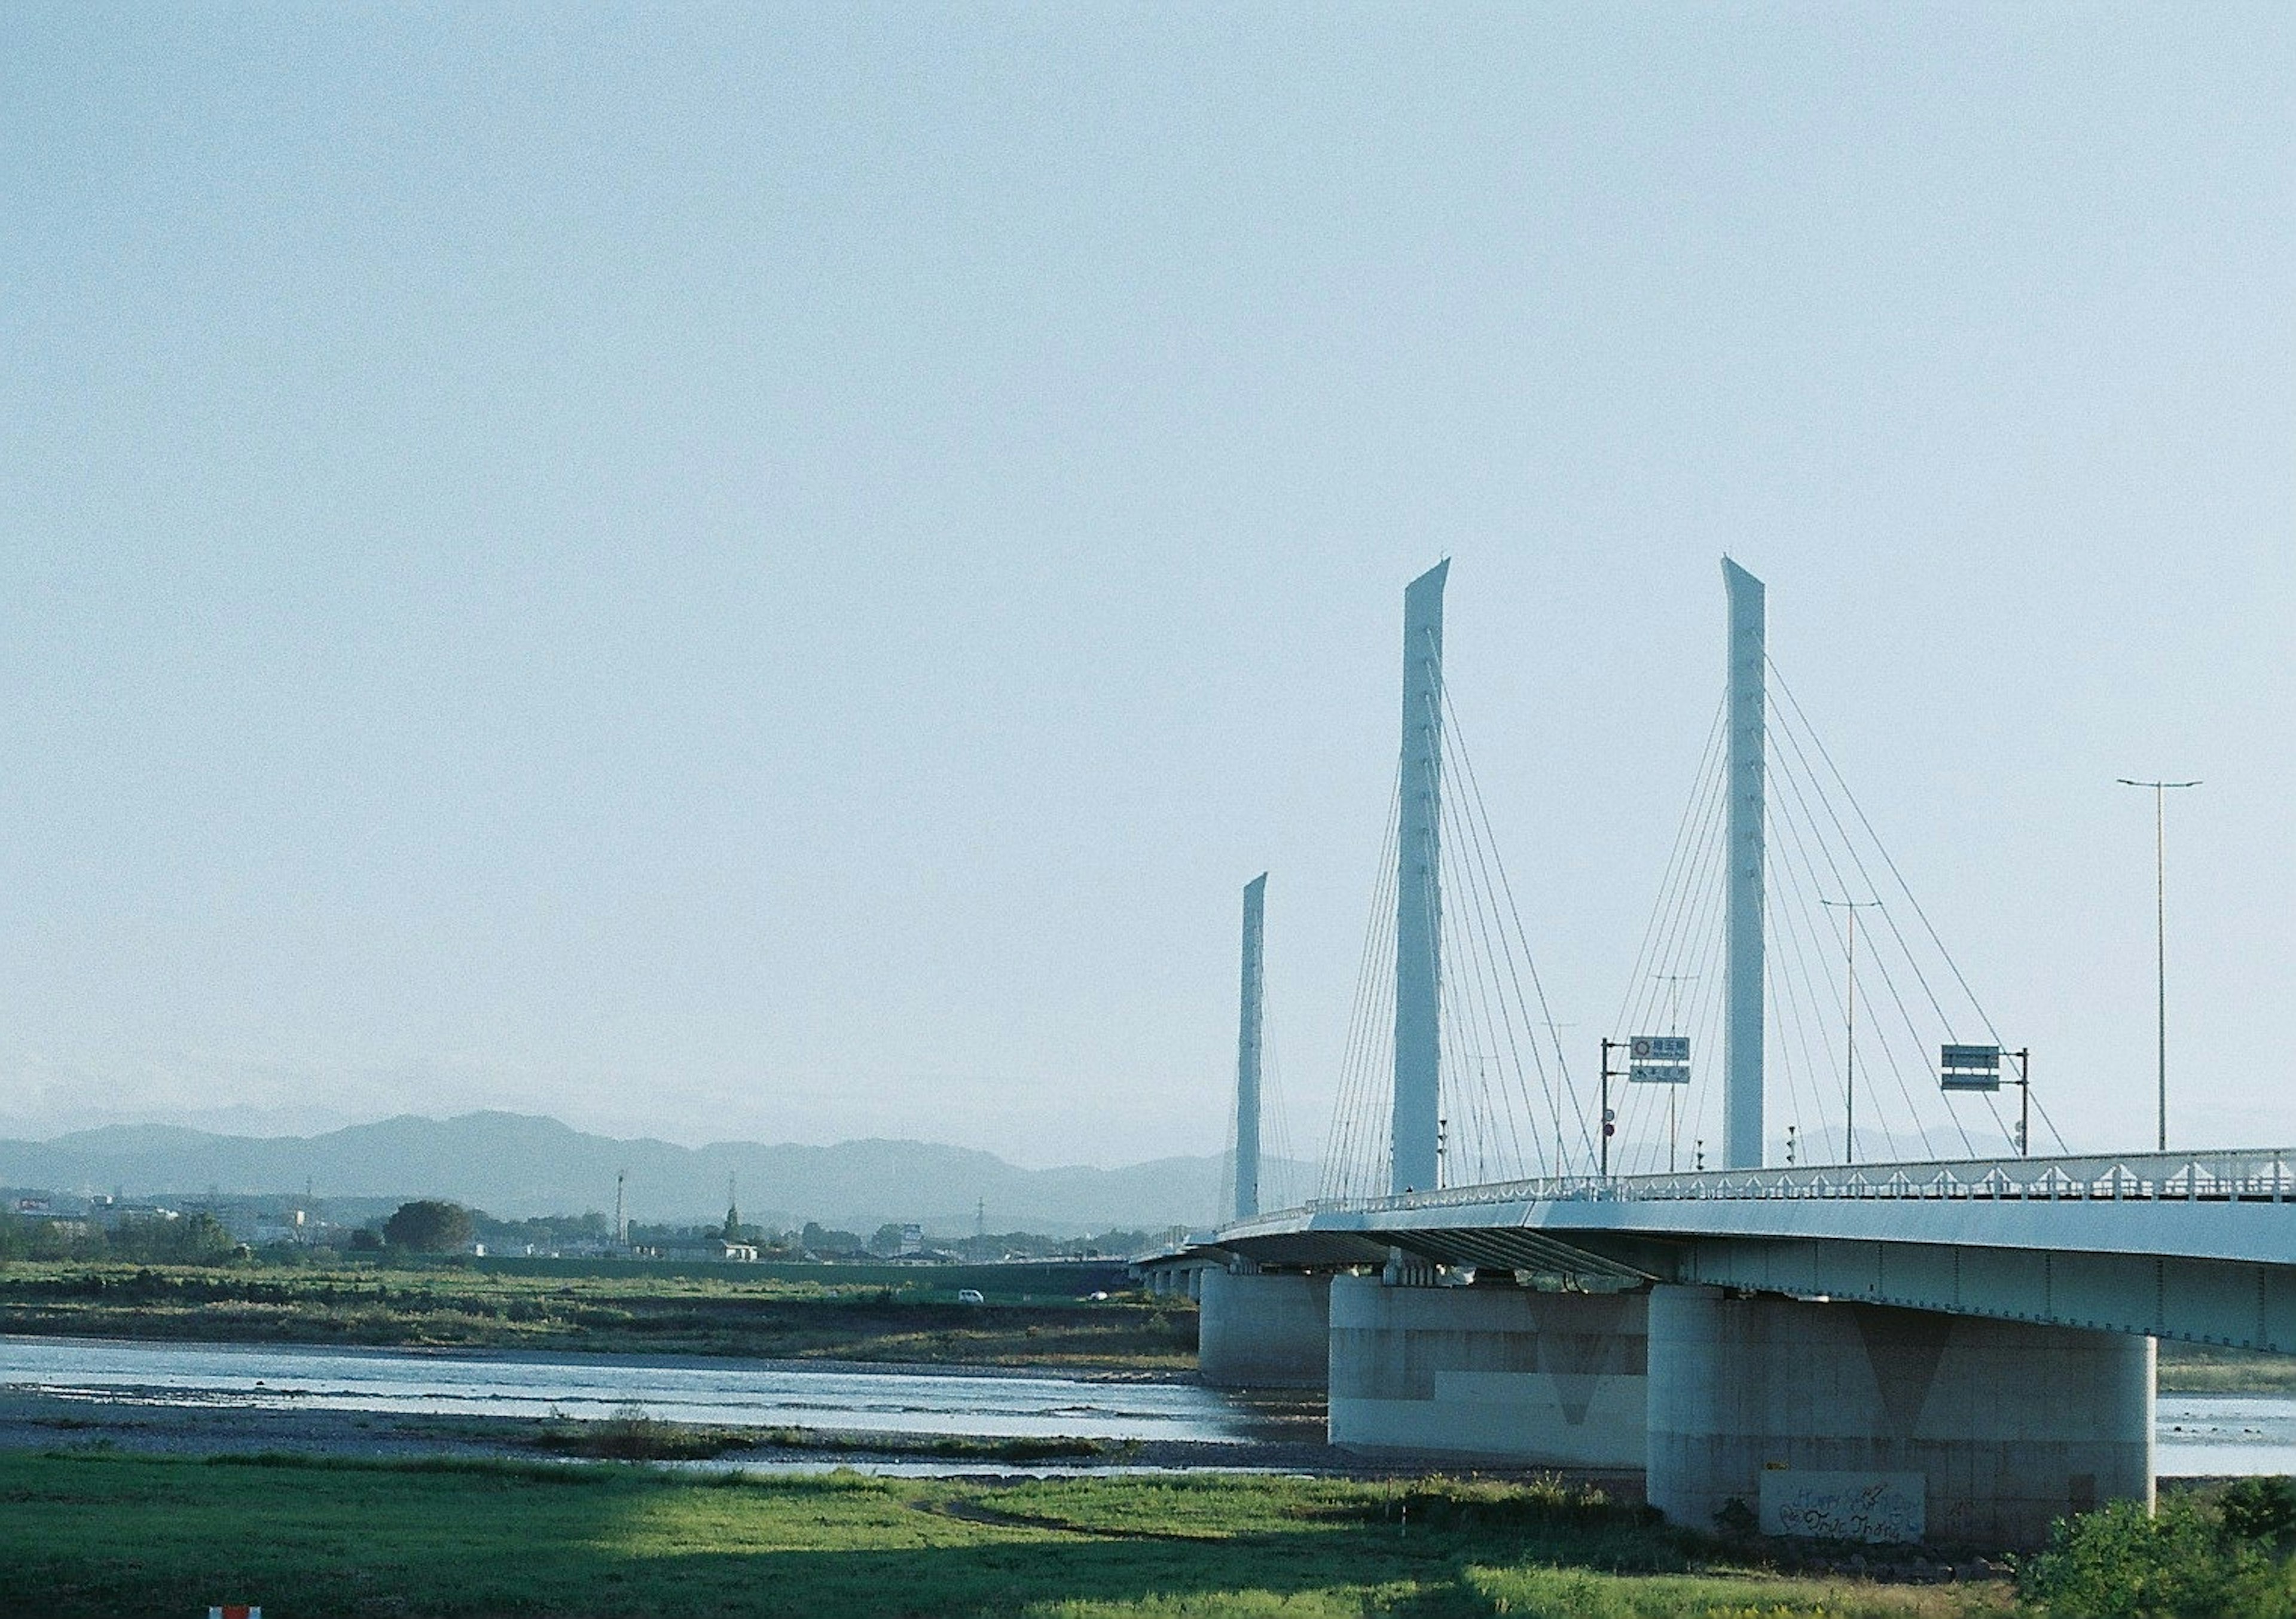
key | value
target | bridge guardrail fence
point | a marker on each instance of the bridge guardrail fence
(2262, 1174)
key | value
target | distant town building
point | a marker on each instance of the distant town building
(111, 1214)
(712, 1250)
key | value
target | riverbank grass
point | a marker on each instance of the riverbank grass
(87, 1533)
(444, 1304)
(2202, 1369)
(634, 1433)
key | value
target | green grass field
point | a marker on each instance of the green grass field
(638, 1312)
(95, 1534)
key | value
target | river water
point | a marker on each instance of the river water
(908, 1399)
(2199, 1435)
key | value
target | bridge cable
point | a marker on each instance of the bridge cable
(1504, 890)
(1794, 907)
(1475, 1002)
(1344, 1140)
(1895, 933)
(1489, 974)
(1703, 784)
(1783, 979)
(1687, 917)
(1469, 1110)
(1276, 1175)
(1877, 962)
(1921, 915)
(1850, 844)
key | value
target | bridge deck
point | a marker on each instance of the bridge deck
(2199, 1245)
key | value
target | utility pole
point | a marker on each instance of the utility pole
(1609, 1119)
(621, 1227)
(2160, 928)
(1850, 1029)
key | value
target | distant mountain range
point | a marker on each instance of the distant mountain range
(513, 1166)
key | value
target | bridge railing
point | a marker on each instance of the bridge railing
(2263, 1174)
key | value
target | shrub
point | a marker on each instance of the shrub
(2262, 1510)
(633, 1433)
(2120, 1561)
(1735, 1520)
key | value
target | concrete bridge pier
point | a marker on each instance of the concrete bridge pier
(1263, 1330)
(1494, 1372)
(1861, 1421)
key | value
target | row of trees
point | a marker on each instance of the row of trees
(430, 1225)
(829, 1242)
(546, 1230)
(199, 1238)
(196, 1239)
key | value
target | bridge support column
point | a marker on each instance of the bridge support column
(1264, 1329)
(1549, 1379)
(1861, 1421)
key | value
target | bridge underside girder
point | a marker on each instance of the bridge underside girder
(1515, 1250)
(2200, 1301)
(1502, 1249)
(1308, 1251)
(2232, 1302)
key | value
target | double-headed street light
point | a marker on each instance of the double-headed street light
(2161, 926)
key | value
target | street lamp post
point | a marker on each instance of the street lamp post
(2160, 928)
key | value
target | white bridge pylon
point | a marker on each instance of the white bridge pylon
(1455, 1071)
(1746, 820)
(1416, 1128)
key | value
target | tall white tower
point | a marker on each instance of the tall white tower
(1741, 997)
(1247, 1050)
(1415, 1165)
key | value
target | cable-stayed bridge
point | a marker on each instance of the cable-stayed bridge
(1510, 1260)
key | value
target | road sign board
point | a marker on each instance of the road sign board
(1659, 1060)
(1969, 1068)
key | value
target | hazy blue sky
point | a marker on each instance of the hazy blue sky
(772, 571)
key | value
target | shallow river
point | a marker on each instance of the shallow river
(2198, 1433)
(401, 1382)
